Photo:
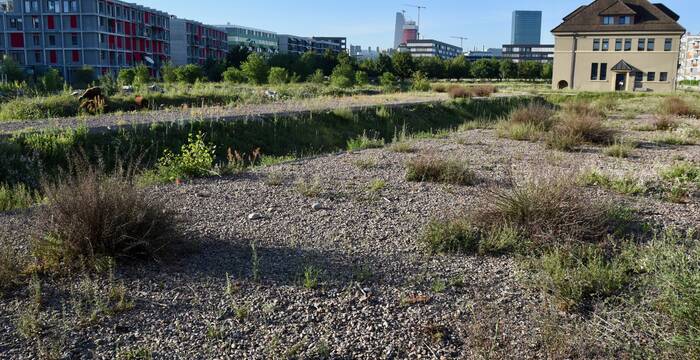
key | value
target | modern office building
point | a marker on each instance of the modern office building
(430, 48)
(291, 44)
(623, 45)
(256, 40)
(410, 32)
(193, 42)
(527, 27)
(341, 41)
(70, 34)
(524, 52)
(491, 53)
(398, 29)
(690, 58)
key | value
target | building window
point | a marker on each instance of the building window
(74, 39)
(663, 76)
(628, 44)
(651, 76)
(594, 71)
(618, 44)
(35, 22)
(37, 56)
(650, 44)
(624, 20)
(608, 20)
(36, 40)
(668, 45)
(606, 44)
(640, 45)
(603, 71)
(639, 76)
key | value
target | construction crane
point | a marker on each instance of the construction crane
(419, 9)
(461, 40)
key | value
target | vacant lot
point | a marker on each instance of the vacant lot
(405, 251)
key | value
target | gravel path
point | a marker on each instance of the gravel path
(105, 122)
(379, 294)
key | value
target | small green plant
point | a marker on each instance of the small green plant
(420, 82)
(254, 262)
(451, 236)
(438, 286)
(683, 172)
(309, 188)
(674, 138)
(621, 149)
(138, 353)
(311, 277)
(274, 179)
(17, 197)
(376, 186)
(11, 268)
(626, 185)
(365, 142)
(196, 158)
(278, 76)
(365, 163)
(432, 169)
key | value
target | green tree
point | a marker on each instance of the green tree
(389, 82)
(432, 67)
(189, 73)
(234, 75)
(278, 76)
(458, 68)
(237, 55)
(328, 61)
(307, 64)
(369, 67)
(530, 70)
(167, 71)
(547, 71)
(509, 69)
(126, 76)
(486, 69)
(343, 76)
(255, 69)
(9, 68)
(83, 77)
(51, 81)
(317, 77)
(384, 64)
(142, 74)
(403, 64)
(420, 82)
(213, 69)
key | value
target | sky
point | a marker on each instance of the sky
(371, 22)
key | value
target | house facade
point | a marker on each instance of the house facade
(618, 45)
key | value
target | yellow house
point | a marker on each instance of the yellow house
(617, 45)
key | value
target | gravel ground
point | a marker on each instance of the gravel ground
(379, 293)
(221, 113)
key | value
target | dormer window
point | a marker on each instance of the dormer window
(624, 20)
(608, 20)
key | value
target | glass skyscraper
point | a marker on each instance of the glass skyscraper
(527, 27)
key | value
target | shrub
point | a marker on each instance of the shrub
(365, 142)
(420, 82)
(664, 123)
(17, 197)
(483, 90)
(579, 127)
(51, 81)
(343, 76)
(451, 236)
(168, 73)
(620, 149)
(518, 131)
(126, 76)
(234, 75)
(439, 88)
(389, 82)
(361, 78)
(196, 159)
(278, 76)
(535, 113)
(189, 73)
(83, 77)
(677, 106)
(92, 214)
(458, 92)
(255, 69)
(317, 77)
(432, 169)
(142, 74)
(547, 211)
(11, 268)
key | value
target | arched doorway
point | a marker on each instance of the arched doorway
(563, 85)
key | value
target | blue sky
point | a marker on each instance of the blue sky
(371, 22)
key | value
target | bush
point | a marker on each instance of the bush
(92, 214)
(420, 82)
(17, 197)
(11, 267)
(458, 92)
(548, 211)
(361, 78)
(234, 75)
(169, 73)
(83, 77)
(677, 106)
(431, 169)
(255, 69)
(317, 77)
(189, 73)
(535, 113)
(389, 82)
(483, 90)
(278, 76)
(142, 74)
(343, 76)
(577, 127)
(452, 236)
(665, 123)
(439, 88)
(621, 150)
(196, 159)
(365, 142)
(126, 76)
(51, 81)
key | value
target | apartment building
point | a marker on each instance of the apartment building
(617, 45)
(69, 34)
(690, 58)
(524, 52)
(193, 42)
(256, 40)
(430, 48)
(290, 44)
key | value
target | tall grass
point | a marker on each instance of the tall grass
(17, 197)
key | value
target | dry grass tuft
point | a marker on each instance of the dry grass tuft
(458, 92)
(483, 90)
(664, 123)
(677, 106)
(432, 169)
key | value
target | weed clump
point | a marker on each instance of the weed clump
(677, 106)
(11, 268)
(432, 169)
(458, 92)
(92, 214)
(364, 141)
(580, 123)
(527, 122)
(17, 197)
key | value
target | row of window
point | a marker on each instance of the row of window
(51, 6)
(600, 72)
(626, 44)
(617, 20)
